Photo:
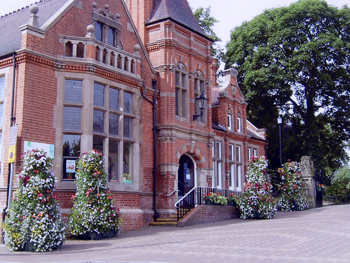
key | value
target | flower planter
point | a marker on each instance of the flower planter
(29, 247)
(257, 215)
(296, 207)
(232, 203)
(208, 202)
(94, 236)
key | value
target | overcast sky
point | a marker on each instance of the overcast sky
(230, 13)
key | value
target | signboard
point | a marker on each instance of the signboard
(12, 145)
(12, 154)
(13, 135)
(49, 148)
(70, 166)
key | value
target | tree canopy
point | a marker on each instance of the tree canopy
(295, 61)
(206, 21)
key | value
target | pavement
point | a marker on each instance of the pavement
(315, 235)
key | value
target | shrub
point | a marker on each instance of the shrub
(340, 185)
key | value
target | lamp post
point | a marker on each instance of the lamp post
(279, 121)
(201, 103)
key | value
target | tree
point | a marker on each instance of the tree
(296, 60)
(206, 21)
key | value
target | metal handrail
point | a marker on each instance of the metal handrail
(182, 198)
(172, 192)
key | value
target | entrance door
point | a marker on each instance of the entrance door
(185, 175)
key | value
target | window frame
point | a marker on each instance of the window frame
(218, 164)
(181, 92)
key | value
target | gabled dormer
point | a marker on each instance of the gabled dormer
(229, 105)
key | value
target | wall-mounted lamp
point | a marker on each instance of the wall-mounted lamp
(201, 104)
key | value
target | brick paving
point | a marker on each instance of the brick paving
(315, 235)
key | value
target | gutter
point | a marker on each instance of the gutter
(154, 171)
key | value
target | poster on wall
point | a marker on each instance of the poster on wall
(70, 166)
(48, 148)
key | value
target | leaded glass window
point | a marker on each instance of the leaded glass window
(98, 121)
(99, 95)
(73, 90)
(72, 118)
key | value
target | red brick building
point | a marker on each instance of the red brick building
(123, 77)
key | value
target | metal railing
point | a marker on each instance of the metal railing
(196, 196)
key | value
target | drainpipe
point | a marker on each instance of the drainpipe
(154, 171)
(10, 165)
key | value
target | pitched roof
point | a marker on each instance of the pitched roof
(10, 35)
(176, 10)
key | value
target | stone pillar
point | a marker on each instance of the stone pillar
(307, 173)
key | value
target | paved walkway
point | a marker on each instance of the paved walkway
(316, 235)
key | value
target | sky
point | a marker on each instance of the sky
(230, 13)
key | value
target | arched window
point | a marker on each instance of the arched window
(98, 53)
(126, 64)
(104, 56)
(112, 59)
(80, 50)
(132, 66)
(119, 61)
(69, 49)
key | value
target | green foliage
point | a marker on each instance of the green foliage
(340, 186)
(292, 197)
(34, 215)
(256, 196)
(92, 210)
(296, 59)
(206, 21)
(216, 198)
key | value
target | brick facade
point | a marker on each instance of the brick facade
(66, 47)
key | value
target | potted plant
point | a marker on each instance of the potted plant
(292, 196)
(256, 200)
(215, 199)
(33, 222)
(93, 215)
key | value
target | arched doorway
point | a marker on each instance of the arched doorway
(186, 175)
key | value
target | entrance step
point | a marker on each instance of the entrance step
(170, 221)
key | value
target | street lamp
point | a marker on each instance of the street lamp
(201, 103)
(279, 121)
